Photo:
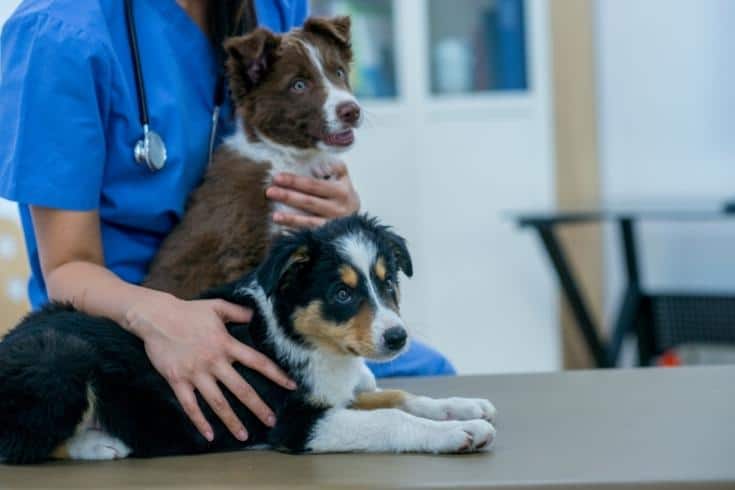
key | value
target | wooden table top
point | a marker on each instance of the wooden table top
(643, 428)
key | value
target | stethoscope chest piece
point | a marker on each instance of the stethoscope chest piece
(150, 150)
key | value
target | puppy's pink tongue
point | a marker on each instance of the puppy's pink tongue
(345, 138)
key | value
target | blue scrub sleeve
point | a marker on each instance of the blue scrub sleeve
(300, 12)
(53, 101)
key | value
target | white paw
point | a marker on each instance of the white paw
(464, 437)
(452, 408)
(96, 445)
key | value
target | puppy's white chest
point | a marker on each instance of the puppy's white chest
(334, 379)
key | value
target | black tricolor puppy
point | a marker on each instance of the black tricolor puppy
(80, 387)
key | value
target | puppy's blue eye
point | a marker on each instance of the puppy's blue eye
(341, 74)
(298, 85)
(343, 296)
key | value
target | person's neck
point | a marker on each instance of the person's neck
(197, 10)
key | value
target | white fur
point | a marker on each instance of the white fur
(367, 381)
(92, 444)
(392, 430)
(89, 441)
(359, 250)
(450, 408)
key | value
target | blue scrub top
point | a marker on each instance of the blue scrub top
(68, 107)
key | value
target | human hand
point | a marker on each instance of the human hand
(320, 199)
(188, 344)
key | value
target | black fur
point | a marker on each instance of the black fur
(51, 358)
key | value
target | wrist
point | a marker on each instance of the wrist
(136, 312)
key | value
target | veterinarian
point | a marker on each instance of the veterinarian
(93, 216)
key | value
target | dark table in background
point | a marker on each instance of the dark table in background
(602, 429)
(658, 321)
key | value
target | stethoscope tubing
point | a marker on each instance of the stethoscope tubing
(150, 150)
(137, 68)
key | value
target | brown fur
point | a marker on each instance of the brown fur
(261, 67)
(225, 231)
(354, 337)
(380, 268)
(372, 400)
(348, 276)
(61, 452)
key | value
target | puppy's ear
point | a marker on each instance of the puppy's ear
(335, 29)
(283, 260)
(249, 58)
(400, 252)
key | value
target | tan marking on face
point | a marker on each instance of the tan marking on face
(348, 275)
(379, 268)
(380, 399)
(353, 337)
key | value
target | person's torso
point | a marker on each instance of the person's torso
(138, 207)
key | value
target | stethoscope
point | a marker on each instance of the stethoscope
(151, 149)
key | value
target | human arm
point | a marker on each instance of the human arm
(186, 341)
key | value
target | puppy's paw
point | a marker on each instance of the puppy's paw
(452, 408)
(472, 408)
(464, 437)
(96, 445)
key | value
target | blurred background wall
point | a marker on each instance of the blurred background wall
(667, 113)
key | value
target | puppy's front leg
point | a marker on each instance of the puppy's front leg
(393, 430)
(367, 381)
(429, 408)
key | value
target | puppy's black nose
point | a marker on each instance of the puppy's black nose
(395, 337)
(348, 112)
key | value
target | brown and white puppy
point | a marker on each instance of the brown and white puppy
(295, 112)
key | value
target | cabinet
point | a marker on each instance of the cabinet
(443, 159)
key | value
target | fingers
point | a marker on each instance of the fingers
(307, 185)
(259, 362)
(230, 312)
(298, 221)
(310, 203)
(185, 394)
(216, 400)
(245, 393)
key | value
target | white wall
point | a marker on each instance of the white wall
(667, 113)
(445, 173)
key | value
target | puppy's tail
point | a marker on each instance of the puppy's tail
(44, 379)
